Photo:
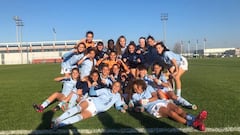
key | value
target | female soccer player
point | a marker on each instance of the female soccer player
(131, 58)
(71, 58)
(104, 100)
(87, 63)
(177, 62)
(146, 96)
(89, 40)
(69, 85)
(100, 53)
(121, 46)
(164, 88)
(110, 46)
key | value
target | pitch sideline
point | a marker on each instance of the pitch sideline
(123, 130)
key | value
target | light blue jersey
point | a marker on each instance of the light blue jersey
(169, 55)
(68, 85)
(86, 67)
(145, 95)
(70, 59)
(106, 99)
(163, 79)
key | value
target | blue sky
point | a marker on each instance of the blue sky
(216, 20)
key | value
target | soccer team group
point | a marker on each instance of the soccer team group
(144, 77)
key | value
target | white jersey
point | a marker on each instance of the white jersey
(68, 85)
(106, 99)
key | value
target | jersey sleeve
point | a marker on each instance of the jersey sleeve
(118, 103)
(168, 55)
(67, 55)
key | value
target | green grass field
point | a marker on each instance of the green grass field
(212, 84)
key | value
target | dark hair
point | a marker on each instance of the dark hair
(118, 46)
(150, 37)
(163, 45)
(75, 69)
(142, 67)
(93, 72)
(160, 65)
(81, 43)
(139, 82)
(131, 43)
(110, 40)
(89, 32)
(91, 49)
(99, 43)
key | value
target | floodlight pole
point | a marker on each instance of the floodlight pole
(204, 46)
(164, 18)
(19, 25)
(188, 47)
(196, 48)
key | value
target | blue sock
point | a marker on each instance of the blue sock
(190, 119)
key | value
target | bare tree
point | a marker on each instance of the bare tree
(177, 48)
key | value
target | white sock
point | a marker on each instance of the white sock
(183, 101)
(178, 92)
(45, 103)
(61, 104)
(71, 120)
(69, 113)
(72, 101)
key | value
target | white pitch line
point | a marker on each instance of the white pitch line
(122, 130)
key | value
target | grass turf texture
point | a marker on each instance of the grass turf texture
(212, 84)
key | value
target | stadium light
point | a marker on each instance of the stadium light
(164, 18)
(19, 25)
(196, 48)
(54, 34)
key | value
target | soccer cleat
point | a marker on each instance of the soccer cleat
(56, 108)
(197, 124)
(202, 115)
(38, 108)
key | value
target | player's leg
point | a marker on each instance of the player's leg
(181, 100)
(178, 81)
(73, 119)
(49, 100)
(63, 102)
(78, 108)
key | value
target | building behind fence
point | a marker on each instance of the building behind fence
(34, 52)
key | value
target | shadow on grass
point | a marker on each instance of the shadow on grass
(44, 126)
(111, 127)
(150, 122)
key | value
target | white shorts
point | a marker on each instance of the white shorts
(91, 107)
(65, 70)
(156, 108)
(183, 64)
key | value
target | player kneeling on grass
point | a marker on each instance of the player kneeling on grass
(146, 97)
(161, 85)
(104, 99)
(69, 85)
